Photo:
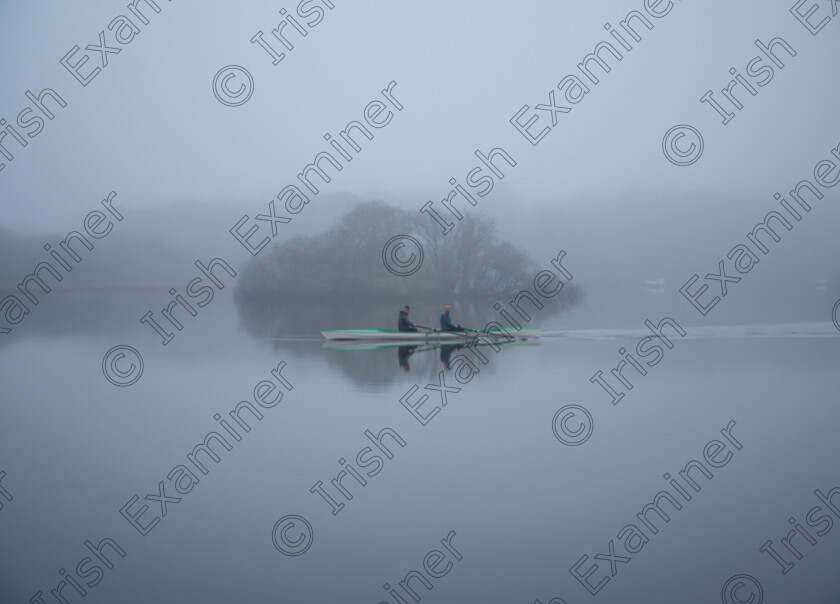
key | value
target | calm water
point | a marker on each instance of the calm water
(524, 507)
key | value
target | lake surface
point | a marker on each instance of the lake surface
(483, 466)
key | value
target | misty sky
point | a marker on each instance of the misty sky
(149, 126)
(186, 167)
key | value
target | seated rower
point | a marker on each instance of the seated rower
(446, 323)
(404, 324)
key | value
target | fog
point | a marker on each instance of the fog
(679, 157)
(640, 246)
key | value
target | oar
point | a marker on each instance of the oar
(438, 330)
(464, 334)
(490, 334)
(433, 330)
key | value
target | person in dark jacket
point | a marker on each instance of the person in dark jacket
(404, 324)
(446, 323)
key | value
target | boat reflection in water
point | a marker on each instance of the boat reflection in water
(446, 350)
(292, 330)
(408, 353)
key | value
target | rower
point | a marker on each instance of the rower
(446, 323)
(404, 324)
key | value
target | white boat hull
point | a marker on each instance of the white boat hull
(383, 335)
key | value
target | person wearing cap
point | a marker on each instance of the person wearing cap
(404, 324)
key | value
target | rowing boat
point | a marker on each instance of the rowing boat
(445, 336)
(420, 344)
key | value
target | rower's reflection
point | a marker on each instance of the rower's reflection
(446, 351)
(446, 355)
(403, 352)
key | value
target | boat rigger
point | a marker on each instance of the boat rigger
(431, 335)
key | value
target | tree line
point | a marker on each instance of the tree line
(345, 261)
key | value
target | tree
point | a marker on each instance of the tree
(346, 261)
